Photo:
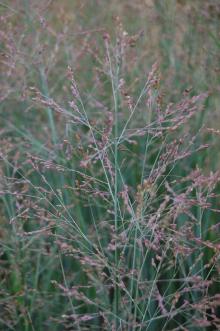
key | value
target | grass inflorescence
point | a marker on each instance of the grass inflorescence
(109, 167)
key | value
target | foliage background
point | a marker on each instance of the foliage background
(39, 40)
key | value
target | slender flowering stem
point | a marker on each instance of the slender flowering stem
(114, 82)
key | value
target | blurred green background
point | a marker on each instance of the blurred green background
(39, 39)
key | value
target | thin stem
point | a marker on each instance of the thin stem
(49, 111)
(114, 82)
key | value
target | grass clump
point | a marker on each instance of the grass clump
(109, 206)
